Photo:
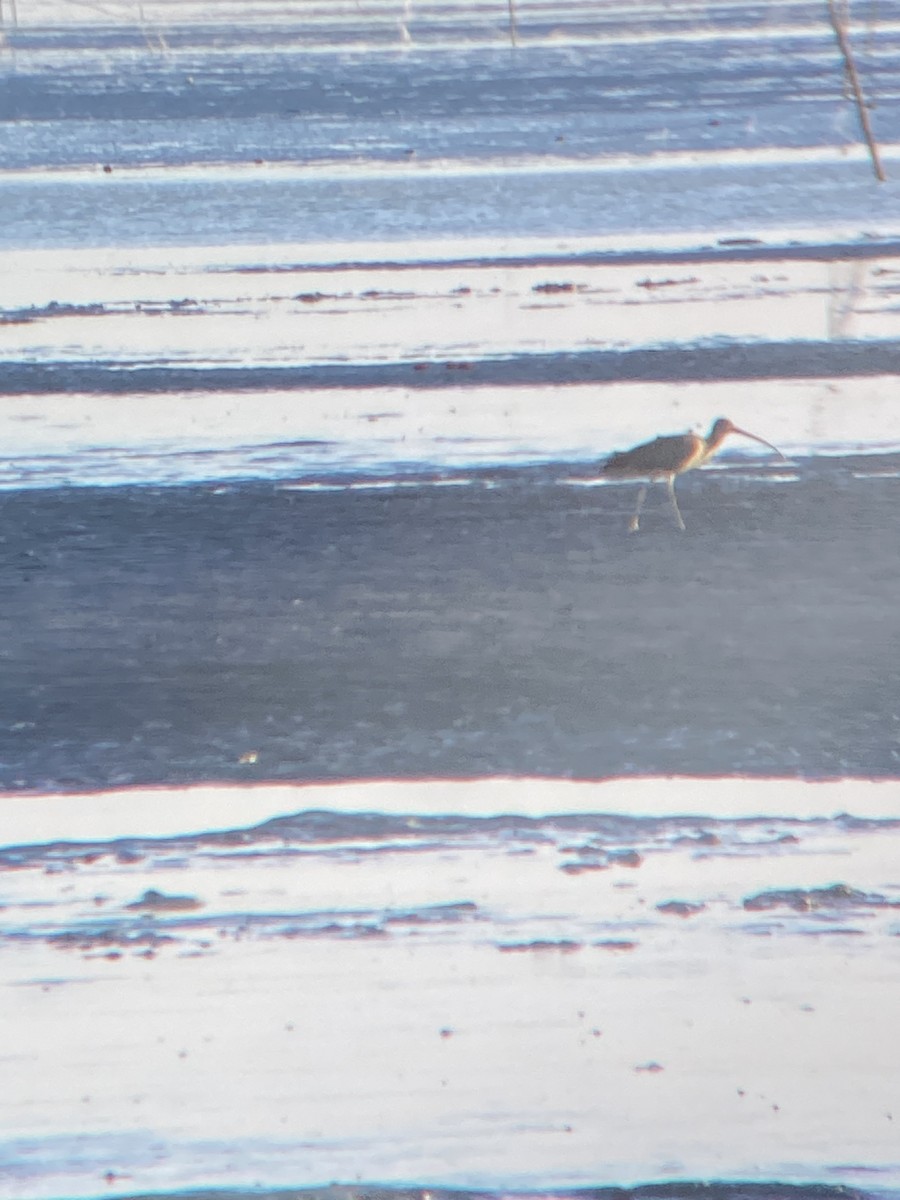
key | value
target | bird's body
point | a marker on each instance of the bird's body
(666, 457)
(653, 460)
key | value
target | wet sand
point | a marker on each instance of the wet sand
(507, 625)
(411, 989)
(150, 323)
(767, 360)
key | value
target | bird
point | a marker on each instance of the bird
(666, 457)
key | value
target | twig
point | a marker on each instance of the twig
(844, 43)
(512, 22)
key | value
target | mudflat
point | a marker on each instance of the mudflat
(502, 623)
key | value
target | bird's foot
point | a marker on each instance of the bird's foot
(634, 525)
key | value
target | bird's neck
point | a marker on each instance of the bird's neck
(712, 445)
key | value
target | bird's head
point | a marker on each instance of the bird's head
(723, 427)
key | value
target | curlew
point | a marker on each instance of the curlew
(666, 457)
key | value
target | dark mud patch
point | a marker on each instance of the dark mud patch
(105, 939)
(556, 289)
(583, 865)
(541, 945)
(625, 858)
(653, 284)
(838, 897)
(434, 913)
(591, 859)
(680, 908)
(156, 902)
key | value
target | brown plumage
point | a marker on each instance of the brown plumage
(666, 457)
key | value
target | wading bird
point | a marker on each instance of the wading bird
(666, 457)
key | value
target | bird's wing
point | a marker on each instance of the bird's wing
(662, 454)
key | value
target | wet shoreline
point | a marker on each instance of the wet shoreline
(741, 361)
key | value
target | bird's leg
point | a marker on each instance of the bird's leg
(670, 484)
(635, 523)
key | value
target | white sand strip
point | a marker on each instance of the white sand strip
(168, 812)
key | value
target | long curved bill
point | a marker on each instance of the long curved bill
(762, 441)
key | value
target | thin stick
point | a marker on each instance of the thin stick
(678, 517)
(844, 43)
(512, 22)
